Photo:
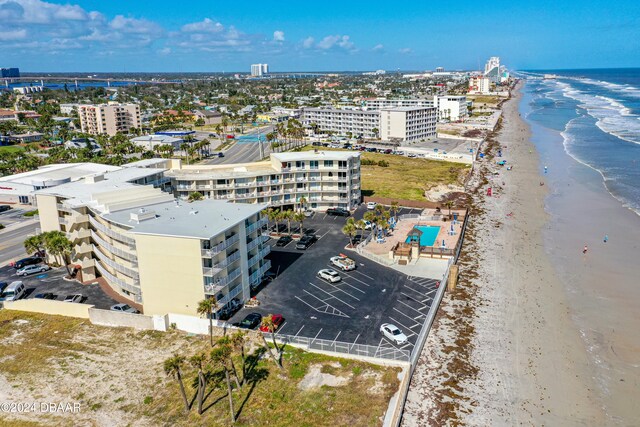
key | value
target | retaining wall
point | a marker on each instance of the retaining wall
(115, 318)
(60, 308)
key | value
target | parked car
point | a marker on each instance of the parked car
(3, 285)
(27, 261)
(329, 275)
(308, 213)
(250, 321)
(368, 225)
(230, 308)
(306, 241)
(371, 205)
(393, 333)
(220, 154)
(388, 151)
(338, 212)
(343, 263)
(284, 241)
(13, 292)
(277, 322)
(4, 208)
(124, 308)
(46, 295)
(32, 269)
(74, 298)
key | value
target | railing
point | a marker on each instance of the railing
(122, 254)
(228, 260)
(117, 280)
(408, 216)
(234, 292)
(121, 268)
(207, 253)
(111, 233)
(256, 276)
(210, 271)
(256, 225)
(361, 350)
(63, 208)
(257, 257)
(255, 242)
(245, 195)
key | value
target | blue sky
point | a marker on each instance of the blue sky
(160, 35)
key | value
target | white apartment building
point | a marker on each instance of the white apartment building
(358, 122)
(160, 254)
(492, 69)
(379, 103)
(479, 85)
(452, 107)
(407, 123)
(109, 118)
(324, 178)
(258, 70)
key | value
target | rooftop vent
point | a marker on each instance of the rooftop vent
(192, 212)
(142, 215)
(94, 178)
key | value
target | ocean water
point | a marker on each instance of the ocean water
(598, 115)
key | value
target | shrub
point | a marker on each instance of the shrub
(383, 164)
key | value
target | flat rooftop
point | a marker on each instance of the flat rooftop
(203, 219)
(57, 172)
(315, 155)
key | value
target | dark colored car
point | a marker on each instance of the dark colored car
(250, 321)
(2, 286)
(27, 261)
(306, 241)
(338, 212)
(284, 241)
(220, 154)
(4, 208)
(388, 151)
(46, 295)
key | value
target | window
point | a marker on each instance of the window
(328, 163)
(300, 165)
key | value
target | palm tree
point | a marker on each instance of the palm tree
(207, 307)
(34, 243)
(198, 361)
(57, 244)
(299, 218)
(302, 202)
(267, 322)
(185, 147)
(220, 356)
(173, 367)
(195, 195)
(360, 225)
(237, 341)
(349, 229)
(226, 341)
(449, 204)
(371, 217)
(267, 213)
(395, 207)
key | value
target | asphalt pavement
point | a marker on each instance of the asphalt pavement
(17, 229)
(243, 151)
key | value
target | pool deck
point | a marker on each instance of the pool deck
(403, 227)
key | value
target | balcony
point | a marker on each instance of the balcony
(207, 253)
(63, 208)
(112, 233)
(256, 276)
(111, 263)
(228, 260)
(245, 195)
(116, 280)
(79, 234)
(222, 282)
(255, 242)
(234, 293)
(260, 255)
(210, 271)
(116, 251)
(257, 225)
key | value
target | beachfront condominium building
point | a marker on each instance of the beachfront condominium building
(163, 254)
(258, 70)
(449, 107)
(492, 69)
(109, 119)
(359, 123)
(407, 123)
(323, 178)
(479, 85)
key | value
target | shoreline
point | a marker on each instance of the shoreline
(504, 348)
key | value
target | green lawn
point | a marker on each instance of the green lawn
(406, 178)
(11, 148)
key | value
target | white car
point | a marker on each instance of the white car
(329, 275)
(343, 263)
(368, 225)
(371, 205)
(308, 213)
(125, 308)
(32, 269)
(73, 298)
(393, 333)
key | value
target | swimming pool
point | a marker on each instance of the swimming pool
(429, 234)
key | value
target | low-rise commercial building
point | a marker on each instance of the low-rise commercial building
(324, 179)
(164, 254)
(209, 117)
(109, 119)
(149, 142)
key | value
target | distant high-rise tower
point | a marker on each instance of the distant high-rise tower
(440, 70)
(9, 72)
(492, 69)
(265, 68)
(258, 70)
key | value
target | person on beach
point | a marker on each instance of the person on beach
(545, 169)
(584, 251)
(606, 238)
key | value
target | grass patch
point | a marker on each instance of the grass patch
(11, 149)
(30, 213)
(118, 369)
(405, 178)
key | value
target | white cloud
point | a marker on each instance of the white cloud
(378, 48)
(330, 42)
(405, 50)
(134, 26)
(13, 35)
(278, 36)
(308, 42)
(205, 26)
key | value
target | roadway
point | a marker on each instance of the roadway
(243, 151)
(12, 238)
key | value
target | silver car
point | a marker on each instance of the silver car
(32, 269)
(124, 308)
(329, 275)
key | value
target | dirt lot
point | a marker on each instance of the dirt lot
(116, 377)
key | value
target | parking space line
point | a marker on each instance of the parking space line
(325, 307)
(355, 278)
(336, 338)
(281, 328)
(314, 338)
(427, 299)
(354, 341)
(340, 290)
(418, 311)
(323, 235)
(332, 296)
(414, 290)
(299, 331)
(411, 298)
(408, 317)
(368, 277)
(359, 290)
(404, 326)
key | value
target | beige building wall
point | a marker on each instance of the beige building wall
(170, 274)
(48, 212)
(393, 124)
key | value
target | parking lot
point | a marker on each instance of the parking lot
(52, 281)
(351, 310)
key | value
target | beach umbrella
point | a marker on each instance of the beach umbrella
(444, 245)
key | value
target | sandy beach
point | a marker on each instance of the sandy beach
(505, 348)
